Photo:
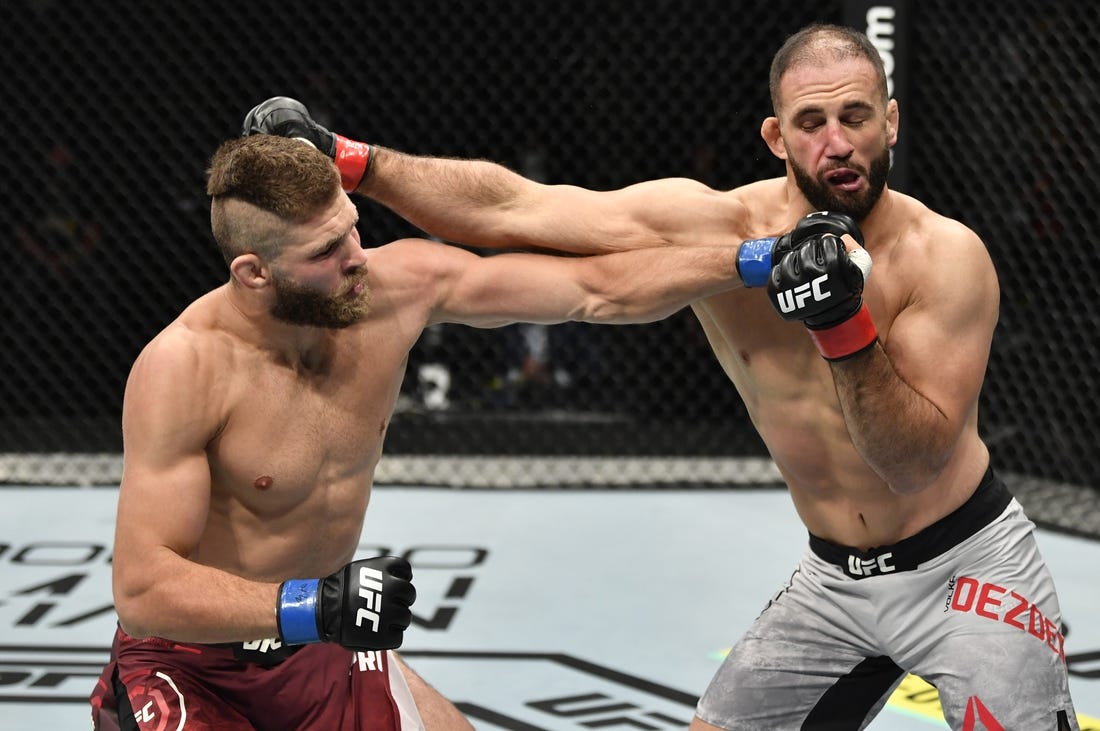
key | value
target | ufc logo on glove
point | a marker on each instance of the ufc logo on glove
(795, 299)
(370, 589)
(362, 606)
(818, 282)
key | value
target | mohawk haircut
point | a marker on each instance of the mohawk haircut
(287, 178)
(283, 176)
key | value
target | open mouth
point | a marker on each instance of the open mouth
(844, 178)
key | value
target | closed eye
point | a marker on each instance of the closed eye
(334, 244)
(326, 252)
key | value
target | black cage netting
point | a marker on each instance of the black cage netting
(111, 111)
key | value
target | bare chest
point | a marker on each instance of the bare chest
(766, 356)
(291, 434)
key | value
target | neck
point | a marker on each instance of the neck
(296, 345)
(880, 216)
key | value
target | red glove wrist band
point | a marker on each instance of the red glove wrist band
(849, 338)
(352, 160)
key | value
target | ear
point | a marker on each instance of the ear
(250, 271)
(892, 122)
(769, 130)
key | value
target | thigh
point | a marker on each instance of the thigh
(1002, 679)
(435, 712)
(992, 639)
(166, 698)
(804, 664)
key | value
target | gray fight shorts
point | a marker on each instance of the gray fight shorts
(967, 604)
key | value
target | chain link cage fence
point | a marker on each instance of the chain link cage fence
(111, 111)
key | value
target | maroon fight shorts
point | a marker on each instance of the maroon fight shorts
(160, 685)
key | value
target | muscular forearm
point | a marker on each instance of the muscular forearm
(901, 435)
(481, 203)
(177, 599)
(484, 204)
(651, 284)
(469, 201)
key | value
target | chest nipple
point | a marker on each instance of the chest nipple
(263, 482)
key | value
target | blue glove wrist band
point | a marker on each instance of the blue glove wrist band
(754, 261)
(297, 611)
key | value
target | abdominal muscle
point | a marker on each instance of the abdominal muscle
(839, 497)
(264, 540)
(790, 395)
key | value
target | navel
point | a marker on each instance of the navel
(744, 356)
(263, 482)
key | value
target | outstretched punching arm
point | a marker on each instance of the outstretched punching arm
(484, 204)
(625, 287)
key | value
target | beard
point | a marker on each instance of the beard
(300, 305)
(823, 197)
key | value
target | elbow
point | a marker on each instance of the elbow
(907, 487)
(912, 466)
(133, 622)
(917, 477)
(133, 619)
(611, 310)
(604, 298)
(601, 310)
(136, 609)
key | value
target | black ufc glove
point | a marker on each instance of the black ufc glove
(286, 117)
(819, 284)
(756, 257)
(363, 606)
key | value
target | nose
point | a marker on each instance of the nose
(837, 145)
(355, 261)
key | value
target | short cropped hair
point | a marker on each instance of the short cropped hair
(281, 176)
(819, 43)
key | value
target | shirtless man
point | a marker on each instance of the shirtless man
(919, 559)
(252, 427)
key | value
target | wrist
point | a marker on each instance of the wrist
(754, 261)
(848, 338)
(297, 608)
(353, 159)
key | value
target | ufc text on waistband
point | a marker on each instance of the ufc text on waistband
(987, 502)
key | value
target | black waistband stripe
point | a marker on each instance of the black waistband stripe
(988, 501)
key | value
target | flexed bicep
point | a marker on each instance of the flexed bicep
(908, 400)
(940, 342)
